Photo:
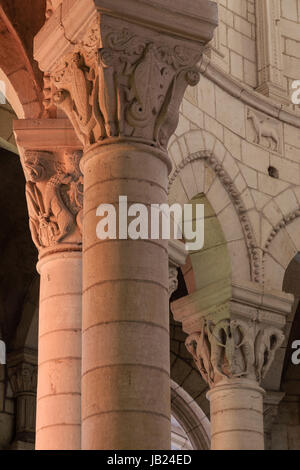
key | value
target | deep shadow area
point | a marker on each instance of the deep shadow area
(18, 254)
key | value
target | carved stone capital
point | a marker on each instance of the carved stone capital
(54, 193)
(123, 72)
(121, 84)
(23, 378)
(234, 349)
(22, 373)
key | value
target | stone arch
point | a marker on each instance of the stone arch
(202, 164)
(191, 417)
(280, 248)
(290, 378)
(22, 88)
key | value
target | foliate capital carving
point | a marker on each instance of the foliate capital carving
(234, 349)
(119, 84)
(23, 378)
(54, 193)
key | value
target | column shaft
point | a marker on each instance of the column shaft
(59, 369)
(125, 350)
(236, 413)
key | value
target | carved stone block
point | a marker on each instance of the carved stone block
(264, 131)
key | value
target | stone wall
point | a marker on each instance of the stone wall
(290, 31)
(234, 46)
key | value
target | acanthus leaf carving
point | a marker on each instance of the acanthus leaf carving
(54, 197)
(130, 87)
(234, 349)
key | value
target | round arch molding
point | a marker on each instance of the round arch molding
(205, 166)
(18, 71)
(190, 416)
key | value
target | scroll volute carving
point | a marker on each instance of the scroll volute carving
(54, 193)
(234, 349)
(130, 87)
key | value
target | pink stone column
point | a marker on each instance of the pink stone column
(54, 193)
(125, 330)
(59, 353)
(119, 74)
(236, 415)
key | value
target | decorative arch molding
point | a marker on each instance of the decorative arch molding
(285, 221)
(281, 247)
(256, 268)
(190, 416)
(282, 243)
(17, 72)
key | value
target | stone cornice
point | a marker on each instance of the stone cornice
(46, 134)
(193, 20)
(248, 300)
(256, 295)
(210, 302)
(247, 95)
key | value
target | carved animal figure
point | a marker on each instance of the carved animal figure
(198, 345)
(263, 128)
(55, 206)
(226, 340)
(49, 219)
(267, 343)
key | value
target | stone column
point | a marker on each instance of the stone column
(22, 372)
(120, 80)
(234, 355)
(272, 401)
(54, 192)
